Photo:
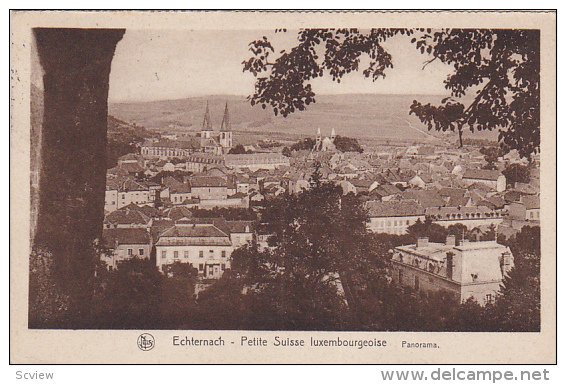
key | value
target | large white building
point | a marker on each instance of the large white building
(205, 244)
(393, 217)
(121, 192)
(255, 161)
(471, 217)
(469, 270)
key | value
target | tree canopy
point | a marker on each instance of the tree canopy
(499, 68)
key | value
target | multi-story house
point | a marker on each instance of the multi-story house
(208, 187)
(393, 217)
(256, 161)
(124, 244)
(470, 270)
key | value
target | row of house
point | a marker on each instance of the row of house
(204, 243)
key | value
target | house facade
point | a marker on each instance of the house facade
(492, 178)
(471, 270)
(124, 244)
(393, 217)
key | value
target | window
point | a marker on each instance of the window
(489, 298)
(417, 284)
(223, 267)
(400, 276)
(163, 254)
(200, 253)
(201, 267)
(223, 253)
(130, 251)
(186, 254)
(140, 251)
(175, 254)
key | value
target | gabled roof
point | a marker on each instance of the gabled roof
(207, 181)
(144, 209)
(178, 212)
(125, 236)
(190, 230)
(127, 217)
(364, 184)
(482, 174)
(427, 199)
(458, 201)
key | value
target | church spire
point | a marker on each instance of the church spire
(226, 125)
(206, 124)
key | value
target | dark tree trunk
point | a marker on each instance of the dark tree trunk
(76, 64)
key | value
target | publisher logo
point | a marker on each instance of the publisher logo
(146, 342)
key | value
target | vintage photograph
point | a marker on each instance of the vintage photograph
(383, 179)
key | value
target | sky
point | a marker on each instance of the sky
(173, 64)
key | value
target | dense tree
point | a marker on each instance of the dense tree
(305, 144)
(517, 173)
(491, 155)
(435, 232)
(177, 305)
(499, 67)
(319, 246)
(517, 309)
(128, 297)
(286, 151)
(238, 150)
(347, 144)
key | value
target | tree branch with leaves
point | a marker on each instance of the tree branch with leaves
(499, 69)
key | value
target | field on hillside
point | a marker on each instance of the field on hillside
(376, 117)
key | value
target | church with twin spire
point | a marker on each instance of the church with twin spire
(216, 142)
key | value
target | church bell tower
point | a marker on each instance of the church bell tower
(226, 130)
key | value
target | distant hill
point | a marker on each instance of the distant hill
(382, 117)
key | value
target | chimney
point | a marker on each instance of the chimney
(422, 242)
(451, 240)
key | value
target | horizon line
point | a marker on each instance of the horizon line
(131, 101)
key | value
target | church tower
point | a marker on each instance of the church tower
(318, 140)
(226, 130)
(206, 132)
(333, 135)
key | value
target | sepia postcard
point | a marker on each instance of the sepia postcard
(244, 187)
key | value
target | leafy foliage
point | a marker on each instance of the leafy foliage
(499, 67)
(491, 154)
(517, 173)
(238, 150)
(305, 144)
(347, 144)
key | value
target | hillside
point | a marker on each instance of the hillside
(380, 117)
